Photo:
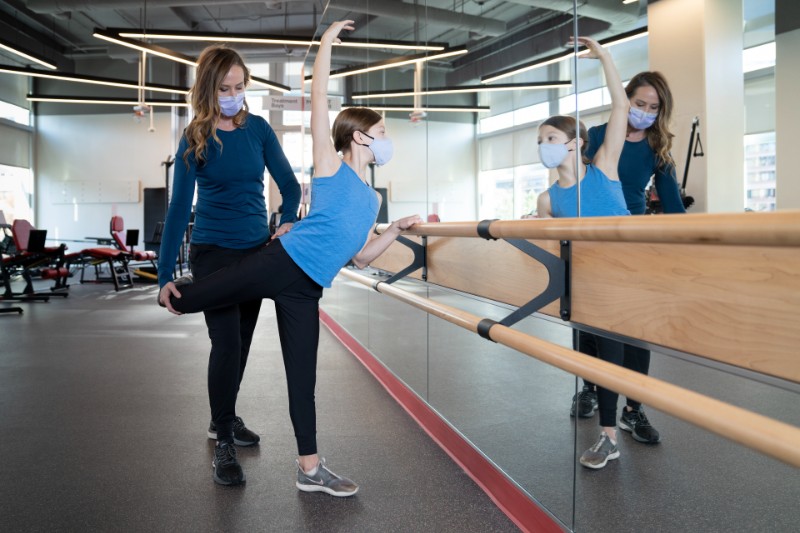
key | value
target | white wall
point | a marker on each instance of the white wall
(787, 87)
(111, 147)
(434, 169)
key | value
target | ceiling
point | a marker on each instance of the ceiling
(498, 33)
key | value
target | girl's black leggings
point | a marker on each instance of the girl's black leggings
(607, 350)
(271, 273)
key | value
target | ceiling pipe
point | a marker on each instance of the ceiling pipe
(598, 18)
(622, 17)
(65, 6)
(406, 12)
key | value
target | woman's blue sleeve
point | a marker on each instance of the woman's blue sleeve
(180, 208)
(667, 188)
(281, 171)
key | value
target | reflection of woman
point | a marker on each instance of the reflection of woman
(600, 195)
(646, 153)
(293, 269)
(224, 150)
(647, 147)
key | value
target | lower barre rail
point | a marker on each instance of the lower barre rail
(766, 435)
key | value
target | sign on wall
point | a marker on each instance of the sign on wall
(297, 103)
(96, 192)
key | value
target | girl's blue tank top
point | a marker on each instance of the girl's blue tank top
(343, 210)
(600, 197)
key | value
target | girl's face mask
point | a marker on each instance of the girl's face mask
(381, 148)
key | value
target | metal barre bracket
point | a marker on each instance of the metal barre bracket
(558, 284)
(418, 262)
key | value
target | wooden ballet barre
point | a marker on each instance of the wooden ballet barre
(778, 228)
(766, 435)
(727, 289)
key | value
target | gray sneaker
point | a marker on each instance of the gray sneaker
(325, 481)
(600, 453)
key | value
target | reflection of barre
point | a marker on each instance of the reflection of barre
(722, 287)
(779, 228)
(768, 436)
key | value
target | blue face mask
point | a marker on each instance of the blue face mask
(231, 105)
(552, 155)
(382, 149)
(640, 120)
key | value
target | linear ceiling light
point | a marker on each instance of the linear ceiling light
(94, 80)
(395, 62)
(560, 56)
(432, 108)
(270, 84)
(30, 56)
(154, 49)
(106, 101)
(172, 55)
(256, 38)
(463, 89)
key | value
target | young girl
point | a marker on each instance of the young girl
(293, 268)
(600, 195)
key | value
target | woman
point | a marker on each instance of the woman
(224, 150)
(646, 154)
(600, 195)
(293, 269)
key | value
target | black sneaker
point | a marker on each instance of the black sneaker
(227, 470)
(585, 402)
(636, 423)
(241, 435)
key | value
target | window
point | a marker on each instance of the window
(759, 172)
(16, 193)
(511, 193)
(15, 113)
(758, 57)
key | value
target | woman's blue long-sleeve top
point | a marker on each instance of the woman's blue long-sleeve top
(636, 164)
(231, 210)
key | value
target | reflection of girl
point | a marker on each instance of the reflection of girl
(293, 269)
(600, 189)
(224, 150)
(600, 195)
(646, 153)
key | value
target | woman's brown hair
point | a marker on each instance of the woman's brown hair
(213, 65)
(658, 135)
(349, 121)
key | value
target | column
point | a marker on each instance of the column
(697, 45)
(787, 88)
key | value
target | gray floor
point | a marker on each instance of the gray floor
(104, 410)
(515, 410)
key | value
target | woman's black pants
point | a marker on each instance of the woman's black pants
(230, 330)
(269, 272)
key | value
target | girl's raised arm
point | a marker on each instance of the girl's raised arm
(607, 156)
(326, 159)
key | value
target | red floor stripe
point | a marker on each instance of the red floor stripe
(526, 514)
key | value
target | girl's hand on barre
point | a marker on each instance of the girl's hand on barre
(596, 50)
(332, 33)
(406, 222)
